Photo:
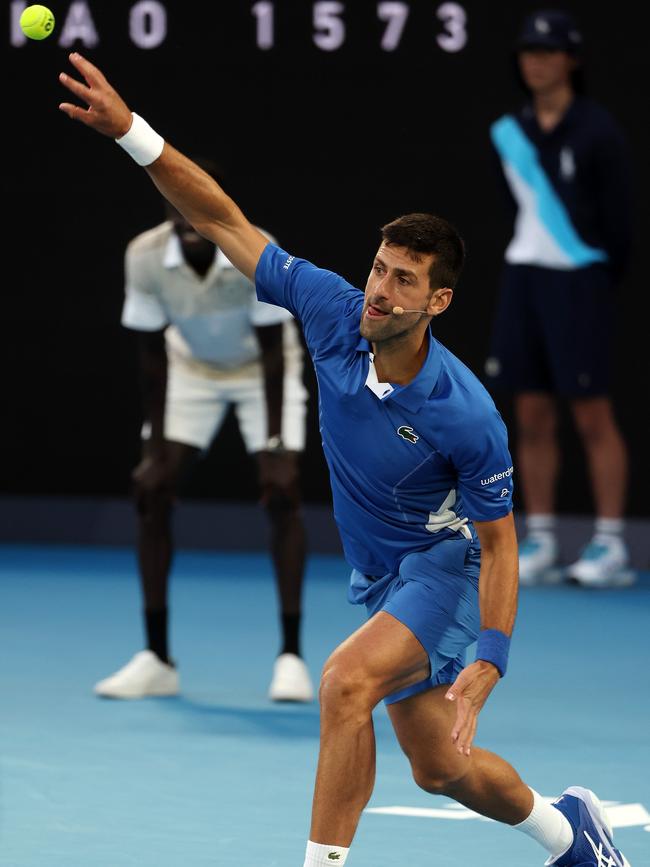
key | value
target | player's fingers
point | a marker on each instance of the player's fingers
(75, 87)
(74, 112)
(459, 723)
(90, 72)
(466, 736)
(458, 686)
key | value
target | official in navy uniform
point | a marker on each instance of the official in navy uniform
(564, 164)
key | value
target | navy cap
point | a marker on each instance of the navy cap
(552, 29)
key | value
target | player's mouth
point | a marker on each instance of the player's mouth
(373, 312)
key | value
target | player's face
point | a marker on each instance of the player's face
(395, 279)
(544, 71)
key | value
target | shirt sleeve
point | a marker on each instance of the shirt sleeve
(485, 470)
(320, 300)
(142, 308)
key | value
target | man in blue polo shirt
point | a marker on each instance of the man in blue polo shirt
(420, 474)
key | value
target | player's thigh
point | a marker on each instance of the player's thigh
(517, 359)
(195, 407)
(435, 596)
(578, 330)
(381, 657)
(423, 725)
(251, 412)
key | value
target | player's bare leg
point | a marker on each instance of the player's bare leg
(482, 781)
(381, 657)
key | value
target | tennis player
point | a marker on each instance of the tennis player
(422, 485)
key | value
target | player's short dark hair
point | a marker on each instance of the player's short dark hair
(426, 234)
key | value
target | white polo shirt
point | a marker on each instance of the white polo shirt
(210, 321)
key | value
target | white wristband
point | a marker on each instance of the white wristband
(142, 142)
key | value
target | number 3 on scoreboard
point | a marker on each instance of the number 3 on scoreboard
(329, 26)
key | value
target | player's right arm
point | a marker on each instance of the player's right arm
(193, 192)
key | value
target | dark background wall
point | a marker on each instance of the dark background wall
(321, 148)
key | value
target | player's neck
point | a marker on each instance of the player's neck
(399, 360)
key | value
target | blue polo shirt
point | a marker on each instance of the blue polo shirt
(409, 465)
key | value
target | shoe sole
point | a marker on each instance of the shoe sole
(135, 696)
(123, 697)
(289, 696)
(624, 578)
(598, 816)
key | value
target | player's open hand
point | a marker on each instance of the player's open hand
(106, 112)
(470, 691)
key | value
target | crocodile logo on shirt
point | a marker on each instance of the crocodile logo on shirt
(333, 856)
(407, 433)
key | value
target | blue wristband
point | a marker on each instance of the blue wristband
(493, 646)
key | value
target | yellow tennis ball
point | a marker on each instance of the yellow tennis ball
(37, 22)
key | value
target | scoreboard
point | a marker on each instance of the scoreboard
(147, 23)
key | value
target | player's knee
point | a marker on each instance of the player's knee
(439, 777)
(344, 691)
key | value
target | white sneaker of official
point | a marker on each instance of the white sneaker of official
(291, 680)
(143, 675)
(538, 554)
(603, 563)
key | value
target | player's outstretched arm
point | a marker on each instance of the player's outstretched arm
(193, 192)
(498, 586)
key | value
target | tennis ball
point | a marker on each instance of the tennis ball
(37, 22)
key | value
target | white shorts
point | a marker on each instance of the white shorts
(196, 407)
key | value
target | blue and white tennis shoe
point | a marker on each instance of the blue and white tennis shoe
(592, 835)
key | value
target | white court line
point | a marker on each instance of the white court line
(620, 815)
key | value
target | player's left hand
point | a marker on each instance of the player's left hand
(470, 691)
(107, 112)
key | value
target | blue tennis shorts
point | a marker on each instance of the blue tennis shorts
(435, 595)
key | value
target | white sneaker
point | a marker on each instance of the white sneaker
(145, 674)
(291, 681)
(537, 555)
(602, 563)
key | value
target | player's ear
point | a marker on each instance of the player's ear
(439, 301)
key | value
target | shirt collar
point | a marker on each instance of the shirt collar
(173, 255)
(414, 395)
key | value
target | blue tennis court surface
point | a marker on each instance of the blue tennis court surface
(220, 776)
